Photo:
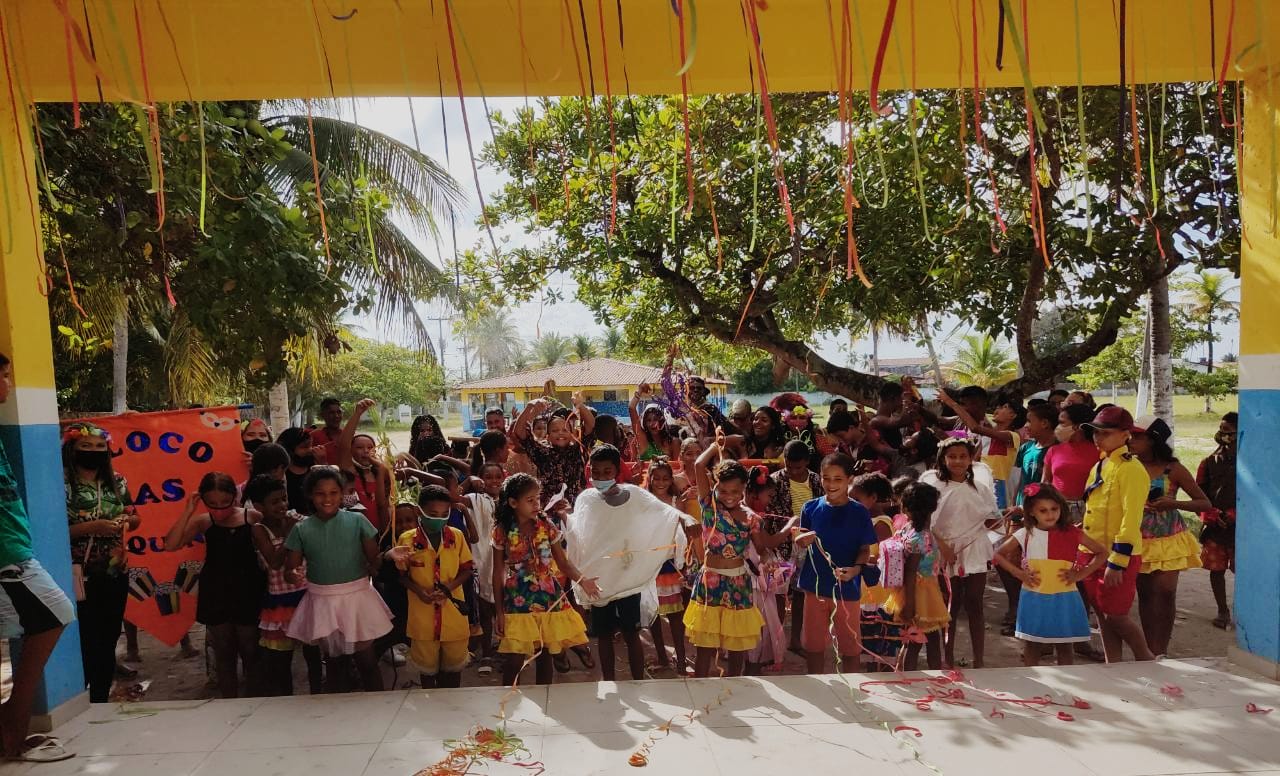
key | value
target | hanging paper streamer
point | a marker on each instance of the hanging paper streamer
(881, 48)
(1081, 130)
(1226, 59)
(577, 61)
(1033, 171)
(15, 111)
(978, 133)
(466, 124)
(770, 124)
(1023, 62)
(684, 93)
(315, 174)
(613, 136)
(155, 157)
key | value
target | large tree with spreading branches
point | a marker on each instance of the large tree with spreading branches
(700, 246)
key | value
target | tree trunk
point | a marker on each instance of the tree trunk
(875, 350)
(278, 407)
(933, 353)
(120, 359)
(1208, 402)
(1144, 369)
(1161, 357)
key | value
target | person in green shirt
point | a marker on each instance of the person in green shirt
(32, 607)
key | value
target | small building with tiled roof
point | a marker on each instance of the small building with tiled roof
(607, 384)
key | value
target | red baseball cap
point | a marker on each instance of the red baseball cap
(1112, 418)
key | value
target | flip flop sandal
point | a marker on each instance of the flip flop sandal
(1007, 629)
(561, 662)
(43, 749)
(1221, 623)
(584, 655)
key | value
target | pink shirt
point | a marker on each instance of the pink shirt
(1071, 463)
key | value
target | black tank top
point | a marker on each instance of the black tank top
(232, 583)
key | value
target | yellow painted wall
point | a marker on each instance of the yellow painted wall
(1260, 245)
(252, 49)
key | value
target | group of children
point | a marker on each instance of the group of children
(521, 547)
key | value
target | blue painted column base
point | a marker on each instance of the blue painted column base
(34, 452)
(1257, 604)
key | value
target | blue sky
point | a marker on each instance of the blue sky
(392, 116)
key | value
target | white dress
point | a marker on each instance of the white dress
(960, 518)
(482, 507)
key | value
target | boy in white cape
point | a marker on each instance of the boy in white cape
(621, 534)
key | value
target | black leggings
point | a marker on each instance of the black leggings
(101, 617)
(278, 670)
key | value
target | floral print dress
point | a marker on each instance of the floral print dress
(536, 611)
(88, 501)
(722, 611)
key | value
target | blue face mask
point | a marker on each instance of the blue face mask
(604, 486)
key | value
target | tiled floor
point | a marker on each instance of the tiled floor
(1173, 717)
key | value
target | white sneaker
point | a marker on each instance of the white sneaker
(399, 654)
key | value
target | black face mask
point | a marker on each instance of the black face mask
(304, 460)
(251, 445)
(91, 459)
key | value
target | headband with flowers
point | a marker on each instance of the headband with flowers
(1031, 490)
(81, 430)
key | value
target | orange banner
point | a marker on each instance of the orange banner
(163, 455)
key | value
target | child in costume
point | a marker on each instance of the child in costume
(880, 636)
(770, 580)
(722, 614)
(533, 615)
(661, 483)
(341, 611)
(435, 564)
(1042, 555)
(966, 512)
(270, 497)
(1217, 478)
(915, 599)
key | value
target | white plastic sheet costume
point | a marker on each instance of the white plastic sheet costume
(624, 546)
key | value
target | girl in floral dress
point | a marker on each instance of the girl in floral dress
(722, 613)
(533, 617)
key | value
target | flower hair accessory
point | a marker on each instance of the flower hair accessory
(1031, 490)
(759, 475)
(82, 430)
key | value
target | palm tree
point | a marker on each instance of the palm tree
(494, 340)
(1208, 301)
(550, 349)
(981, 361)
(418, 189)
(611, 341)
(583, 347)
(521, 358)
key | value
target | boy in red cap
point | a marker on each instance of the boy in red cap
(1114, 501)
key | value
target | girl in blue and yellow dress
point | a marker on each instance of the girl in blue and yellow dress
(1168, 547)
(1042, 556)
(722, 612)
(533, 614)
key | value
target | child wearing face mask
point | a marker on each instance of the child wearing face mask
(435, 566)
(1067, 464)
(231, 582)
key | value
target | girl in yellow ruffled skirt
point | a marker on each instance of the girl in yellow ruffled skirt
(1167, 546)
(722, 612)
(917, 604)
(533, 613)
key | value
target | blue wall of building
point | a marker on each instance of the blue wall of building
(1257, 605)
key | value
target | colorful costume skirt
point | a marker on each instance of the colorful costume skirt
(670, 589)
(527, 632)
(881, 636)
(722, 613)
(1177, 552)
(1051, 618)
(931, 610)
(340, 618)
(277, 613)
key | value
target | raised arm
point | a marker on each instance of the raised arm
(349, 433)
(702, 476)
(585, 415)
(969, 421)
(186, 527)
(637, 427)
(521, 429)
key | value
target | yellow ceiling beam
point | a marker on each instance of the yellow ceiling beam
(258, 49)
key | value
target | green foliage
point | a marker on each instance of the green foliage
(756, 380)
(248, 265)
(388, 373)
(583, 347)
(1212, 386)
(663, 275)
(551, 349)
(1121, 362)
(983, 362)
